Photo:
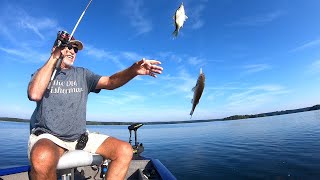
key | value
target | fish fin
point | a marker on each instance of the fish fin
(191, 101)
(186, 16)
(194, 88)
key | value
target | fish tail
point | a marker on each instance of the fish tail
(191, 112)
(175, 33)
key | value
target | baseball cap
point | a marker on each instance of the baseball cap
(77, 43)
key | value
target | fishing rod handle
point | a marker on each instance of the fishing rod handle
(57, 67)
(58, 63)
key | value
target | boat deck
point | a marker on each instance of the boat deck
(138, 170)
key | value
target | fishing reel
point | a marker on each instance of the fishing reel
(62, 39)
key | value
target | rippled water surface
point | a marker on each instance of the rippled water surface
(278, 147)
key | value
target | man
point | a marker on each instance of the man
(59, 119)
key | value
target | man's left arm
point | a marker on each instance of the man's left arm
(142, 67)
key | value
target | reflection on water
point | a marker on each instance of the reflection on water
(278, 147)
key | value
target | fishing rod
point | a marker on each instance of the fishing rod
(62, 43)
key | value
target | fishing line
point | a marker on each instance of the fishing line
(75, 27)
(58, 64)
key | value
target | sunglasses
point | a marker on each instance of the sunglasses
(74, 48)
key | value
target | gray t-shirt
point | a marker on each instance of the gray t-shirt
(62, 110)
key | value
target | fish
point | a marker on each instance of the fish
(197, 91)
(179, 18)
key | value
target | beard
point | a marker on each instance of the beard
(67, 62)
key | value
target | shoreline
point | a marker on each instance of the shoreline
(234, 117)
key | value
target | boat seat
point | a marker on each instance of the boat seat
(77, 158)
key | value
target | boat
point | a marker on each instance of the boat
(80, 165)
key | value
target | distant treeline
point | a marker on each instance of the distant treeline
(235, 117)
(315, 107)
(13, 119)
(150, 122)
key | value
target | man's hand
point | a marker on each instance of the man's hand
(56, 52)
(148, 67)
(142, 67)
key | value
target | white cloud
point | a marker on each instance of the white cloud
(196, 19)
(170, 56)
(136, 14)
(117, 57)
(240, 98)
(276, 89)
(121, 99)
(310, 44)
(25, 54)
(105, 55)
(7, 33)
(98, 53)
(13, 52)
(37, 25)
(180, 83)
(250, 98)
(131, 56)
(253, 68)
(15, 21)
(196, 61)
(257, 20)
(314, 68)
(24, 34)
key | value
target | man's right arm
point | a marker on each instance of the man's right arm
(40, 81)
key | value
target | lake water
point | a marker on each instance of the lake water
(278, 147)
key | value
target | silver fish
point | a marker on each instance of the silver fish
(198, 89)
(179, 19)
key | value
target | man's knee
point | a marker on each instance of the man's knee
(113, 149)
(125, 150)
(44, 155)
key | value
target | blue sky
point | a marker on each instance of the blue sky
(257, 56)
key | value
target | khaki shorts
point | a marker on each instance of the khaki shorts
(94, 141)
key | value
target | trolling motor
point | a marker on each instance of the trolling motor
(137, 148)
